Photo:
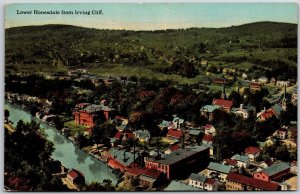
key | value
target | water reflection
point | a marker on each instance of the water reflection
(66, 152)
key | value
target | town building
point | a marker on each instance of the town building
(242, 161)
(238, 182)
(179, 186)
(149, 178)
(87, 114)
(244, 111)
(273, 111)
(225, 105)
(216, 170)
(120, 159)
(252, 153)
(174, 164)
(142, 135)
(76, 177)
(209, 130)
(274, 172)
(202, 182)
(208, 110)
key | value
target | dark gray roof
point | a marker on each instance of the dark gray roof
(119, 156)
(180, 154)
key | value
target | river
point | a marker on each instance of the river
(66, 152)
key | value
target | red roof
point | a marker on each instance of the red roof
(174, 147)
(207, 126)
(174, 133)
(268, 114)
(219, 81)
(294, 162)
(144, 171)
(255, 85)
(210, 181)
(260, 184)
(230, 162)
(120, 134)
(223, 103)
(74, 173)
(208, 138)
(114, 164)
(252, 150)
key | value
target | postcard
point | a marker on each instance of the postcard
(150, 97)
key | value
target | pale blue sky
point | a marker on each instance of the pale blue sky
(149, 16)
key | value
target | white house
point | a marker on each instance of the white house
(244, 111)
(263, 80)
(197, 180)
(252, 153)
(142, 135)
(242, 161)
(209, 130)
(219, 171)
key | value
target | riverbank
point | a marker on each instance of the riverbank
(66, 151)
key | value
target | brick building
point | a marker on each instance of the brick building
(273, 173)
(87, 114)
(238, 182)
(174, 164)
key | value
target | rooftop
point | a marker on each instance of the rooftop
(223, 103)
(210, 108)
(252, 150)
(263, 185)
(119, 156)
(178, 186)
(240, 158)
(197, 177)
(276, 168)
(179, 155)
(219, 167)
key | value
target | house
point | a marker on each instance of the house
(284, 186)
(207, 139)
(242, 161)
(238, 182)
(263, 80)
(219, 171)
(244, 111)
(294, 168)
(281, 133)
(211, 185)
(209, 130)
(252, 152)
(87, 114)
(177, 122)
(174, 164)
(255, 86)
(274, 172)
(172, 148)
(230, 162)
(207, 111)
(195, 133)
(149, 178)
(174, 134)
(121, 135)
(142, 135)
(273, 111)
(226, 105)
(179, 186)
(197, 180)
(164, 124)
(282, 83)
(76, 177)
(120, 159)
